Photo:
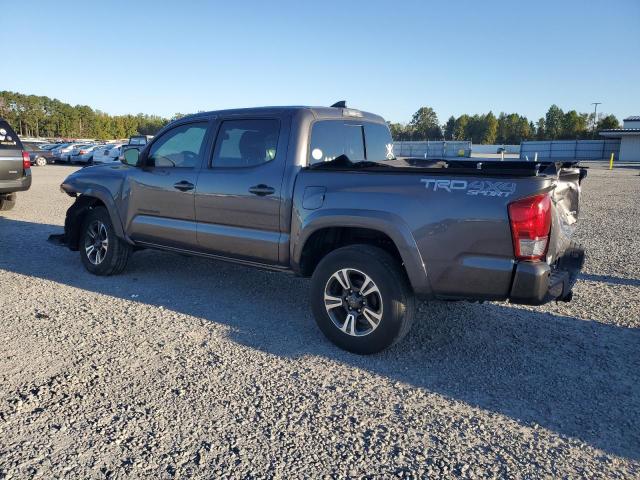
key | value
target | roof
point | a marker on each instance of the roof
(633, 118)
(318, 112)
(619, 132)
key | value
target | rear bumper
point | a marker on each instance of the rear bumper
(535, 283)
(18, 185)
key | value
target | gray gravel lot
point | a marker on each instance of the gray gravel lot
(189, 367)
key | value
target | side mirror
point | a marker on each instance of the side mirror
(131, 157)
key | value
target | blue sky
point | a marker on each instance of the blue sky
(386, 57)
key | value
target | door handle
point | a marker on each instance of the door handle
(183, 186)
(262, 190)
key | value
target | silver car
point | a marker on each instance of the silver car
(63, 152)
(82, 153)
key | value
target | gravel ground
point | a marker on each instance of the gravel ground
(188, 367)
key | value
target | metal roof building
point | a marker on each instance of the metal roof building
(629, 136)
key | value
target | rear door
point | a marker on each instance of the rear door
(10, 153)
(238, 196)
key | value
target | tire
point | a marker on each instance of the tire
(7, 202)
(114, 259)
(387, 313)
(41, 161)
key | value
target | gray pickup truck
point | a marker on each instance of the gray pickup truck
(317, 191)
(15, 166)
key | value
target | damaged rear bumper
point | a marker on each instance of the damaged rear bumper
(535, 283)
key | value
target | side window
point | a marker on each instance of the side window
(379, 143)
(180, 147)
(246, 143)
(333, 138)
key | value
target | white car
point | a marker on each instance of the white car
(107, 153)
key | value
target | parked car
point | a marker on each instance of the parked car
(15, 166)
(318, 192)
(107, 153)
(136, 142)
(38, 155)
(63, 152)
(82, 154)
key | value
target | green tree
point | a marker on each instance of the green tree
(608, 122)
(540, 130)
(460, 127)
(398, 131)
(424, 125)
(449, 128)
(553, 122)
(490, 132)
(574, 125)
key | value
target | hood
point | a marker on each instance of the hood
(101, 177)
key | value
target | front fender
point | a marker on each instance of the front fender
(388, 223)
(83, 202)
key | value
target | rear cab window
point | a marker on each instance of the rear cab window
(352, 140)
(8, 138)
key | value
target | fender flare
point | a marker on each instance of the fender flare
(388, 223)
(83, 203)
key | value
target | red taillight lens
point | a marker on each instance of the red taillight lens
(82, 152)
(530, 226)
(26, 161)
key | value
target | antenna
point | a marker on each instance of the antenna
(340, 104)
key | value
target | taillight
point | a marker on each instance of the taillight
(26, 161)
(530, 226)
(82, 152)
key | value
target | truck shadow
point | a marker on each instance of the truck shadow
(633, 282)
(579, 378)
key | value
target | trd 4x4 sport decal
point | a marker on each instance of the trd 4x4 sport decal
(477, 187)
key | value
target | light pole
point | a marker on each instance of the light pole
(595, 117)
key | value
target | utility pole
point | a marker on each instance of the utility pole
(595, 118)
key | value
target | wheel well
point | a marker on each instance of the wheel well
(76, 215)
(325, 240)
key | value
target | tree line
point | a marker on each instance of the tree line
(38, 116)
(506, 128)
(41, 116)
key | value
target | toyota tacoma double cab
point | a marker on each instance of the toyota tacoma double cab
(317, 191)
(15, 166)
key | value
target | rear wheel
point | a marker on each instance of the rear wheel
(7, 202)
(101, 251)
(41, 161)
(361, 299)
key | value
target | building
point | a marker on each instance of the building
(629, 136)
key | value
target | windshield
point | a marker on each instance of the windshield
(350, 141)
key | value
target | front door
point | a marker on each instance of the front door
(238, 195)
(161, 197)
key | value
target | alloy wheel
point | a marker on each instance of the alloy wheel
(96, 243)
(353, 302)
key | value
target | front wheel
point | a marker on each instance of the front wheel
(41, 161)
(101, 251)
(361, 299)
